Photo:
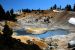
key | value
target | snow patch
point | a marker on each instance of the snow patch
(72, 20)
(72, 42)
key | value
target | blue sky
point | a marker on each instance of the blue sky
(33, 4)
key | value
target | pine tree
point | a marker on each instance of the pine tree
(12, 15)
(55, 6)
(51, 8)
(7, 32)
(11, 12)
(74, 7)
(7, 16)
(68, 8)
(2, 12)
(60, 7)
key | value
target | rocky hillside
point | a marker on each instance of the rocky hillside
(47, 19)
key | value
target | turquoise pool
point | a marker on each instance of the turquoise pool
(48, 33)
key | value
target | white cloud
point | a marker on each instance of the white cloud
(72, 21)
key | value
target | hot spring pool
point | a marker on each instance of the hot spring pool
(48, 33)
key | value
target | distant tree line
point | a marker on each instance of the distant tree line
(68, 7)
(29, 10)
(26, 10)
(8, 15)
